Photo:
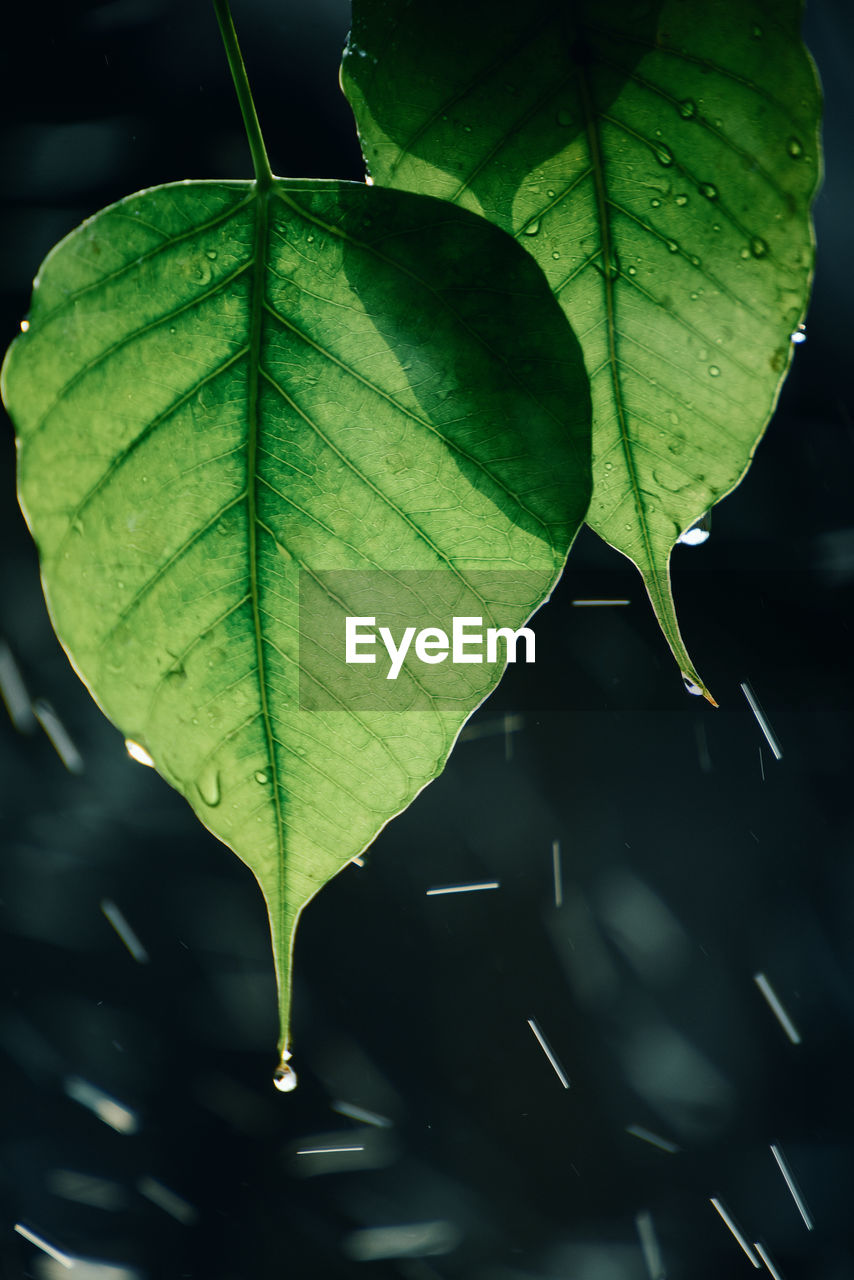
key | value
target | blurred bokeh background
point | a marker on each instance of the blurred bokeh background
(663, 877)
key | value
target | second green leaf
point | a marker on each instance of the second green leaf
(659, 162)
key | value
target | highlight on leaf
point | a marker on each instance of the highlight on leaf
(246, 410)
(659, 162)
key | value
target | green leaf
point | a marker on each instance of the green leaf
(245, 410)
(658, 161)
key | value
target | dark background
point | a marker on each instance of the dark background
(692, 859)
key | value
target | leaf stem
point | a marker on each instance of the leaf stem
(263, 172)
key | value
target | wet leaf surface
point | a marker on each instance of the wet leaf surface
(659, 162)
(225, 395)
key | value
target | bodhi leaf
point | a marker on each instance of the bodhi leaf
(658, 160)
(246, 410)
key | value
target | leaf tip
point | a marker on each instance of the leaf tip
(694, 685)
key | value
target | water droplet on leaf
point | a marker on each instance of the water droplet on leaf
(138, 752)
(261, 777)
(687, 109)
(672, 246)
(532, 228)
(800, 334)
(795, 148)
(698, 532)
(207, 785)
(663, 155)
(714, 371)
(709, 190)
(284, 1077)
(655, 204)
(681, 199)
(758, 247)
(211, 254)
(690, 686)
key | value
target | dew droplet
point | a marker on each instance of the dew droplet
(207, 785)
(690, 686)
(284, 1077)
(758, 247)
(550, 194)
(25, 324)
(212, 254)
(172, 329)
(656, 204)
(795, 148)
(799, 335)
(709, 190)
(137, 752)
(555, 255)
(532, 227)
(309, 239)
(261, 777)
(633, 271)
(681, 199)
(745, 253)
(687, 109)
(608, 466)
(695, 261)
(672, 246)
(714, 371)
(663, 155)
(698, 532)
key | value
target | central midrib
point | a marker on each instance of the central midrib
(256, 312)
(598, 167)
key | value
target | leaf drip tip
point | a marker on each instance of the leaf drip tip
(284, 1077)
(695, 686)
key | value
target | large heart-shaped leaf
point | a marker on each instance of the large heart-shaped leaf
(658, 160)
(247, 410)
